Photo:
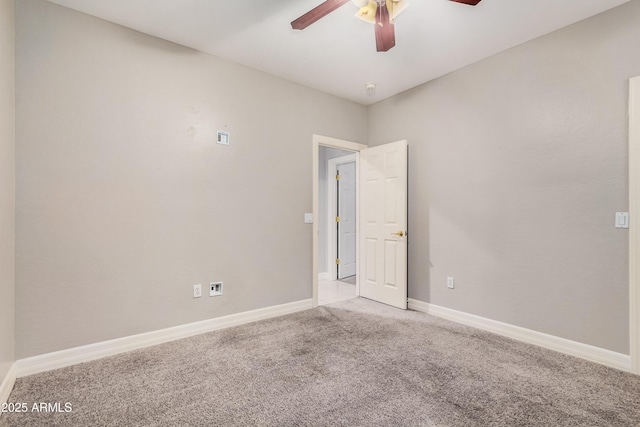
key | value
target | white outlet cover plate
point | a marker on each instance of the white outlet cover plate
(308, 218)
(197, 291)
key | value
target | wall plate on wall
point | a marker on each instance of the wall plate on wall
(222, 137)
(215, 289)
(622, 219)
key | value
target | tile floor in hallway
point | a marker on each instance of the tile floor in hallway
(330, 291)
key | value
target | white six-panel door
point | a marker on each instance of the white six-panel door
(382, 264)
(347, 215)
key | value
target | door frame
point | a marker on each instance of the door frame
(316, 142)
(332, 170)
(634, 223)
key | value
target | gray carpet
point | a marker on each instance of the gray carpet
(354, 363)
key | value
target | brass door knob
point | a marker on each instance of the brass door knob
(399, 233)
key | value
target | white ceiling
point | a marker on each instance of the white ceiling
(337, 54)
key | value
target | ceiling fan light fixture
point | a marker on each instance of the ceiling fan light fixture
(395, 8)
(379, 12)
(368, 13)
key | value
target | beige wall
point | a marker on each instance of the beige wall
(517, 166)
(124, 200)
(7, 186)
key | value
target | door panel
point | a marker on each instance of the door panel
(370, 260)
(383, 259)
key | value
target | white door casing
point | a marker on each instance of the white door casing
(347, 223)
(634, 223)
(382, 260)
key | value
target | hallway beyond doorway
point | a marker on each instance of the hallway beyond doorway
(330, 291)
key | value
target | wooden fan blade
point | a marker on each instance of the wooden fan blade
(385, 32)
(469, 2)
(317, 13)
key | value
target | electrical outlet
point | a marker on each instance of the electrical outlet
(215, 289)
(451, 282)
(197, 291)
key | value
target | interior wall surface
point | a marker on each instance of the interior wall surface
(7, 187)
(124, 199)
(517, 165)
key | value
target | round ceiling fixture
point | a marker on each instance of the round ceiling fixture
(371, 88)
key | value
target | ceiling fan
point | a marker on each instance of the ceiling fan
(382, 13)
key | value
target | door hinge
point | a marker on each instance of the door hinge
(338, 177)
(337, 260)
(337, 219)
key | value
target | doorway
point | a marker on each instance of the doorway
(325, 230)
(341, 217)
(339, 281)
(381, 214)
(337, 227)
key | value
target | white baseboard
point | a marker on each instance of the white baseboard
(7, 384)
(72, 356)
(562, 345)
(324, 276)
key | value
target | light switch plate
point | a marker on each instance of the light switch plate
(451, 282)
(308, 218)
(622, 219)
